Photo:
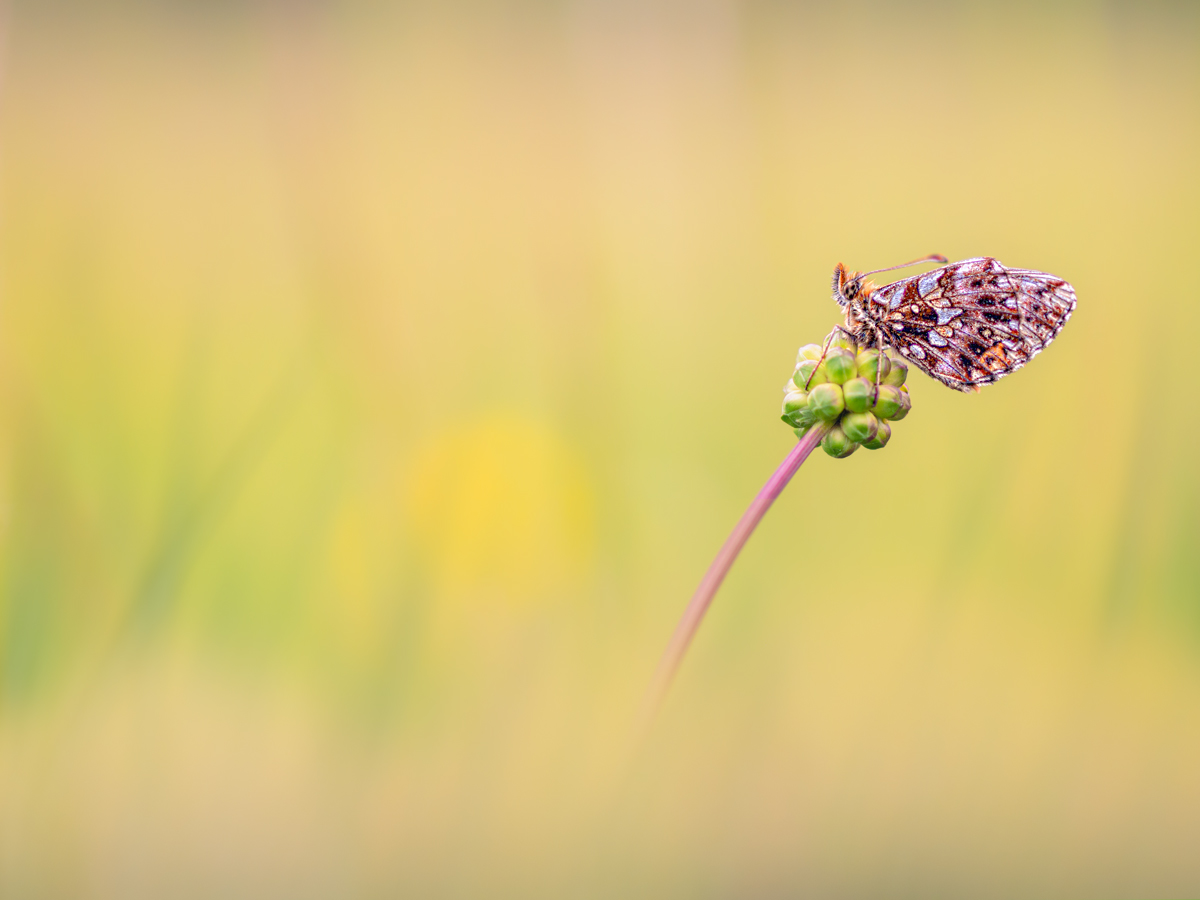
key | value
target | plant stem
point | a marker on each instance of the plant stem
(702, 599)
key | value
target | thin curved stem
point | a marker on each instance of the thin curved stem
(702, 599)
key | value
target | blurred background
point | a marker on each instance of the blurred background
(378, 381)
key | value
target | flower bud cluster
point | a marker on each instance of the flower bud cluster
(841, 391)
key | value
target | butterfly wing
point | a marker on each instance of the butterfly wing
(972, 322)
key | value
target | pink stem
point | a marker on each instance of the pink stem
(702, 599)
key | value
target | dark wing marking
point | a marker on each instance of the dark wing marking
(974, 321)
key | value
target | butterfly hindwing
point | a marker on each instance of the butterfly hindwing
(972, 322)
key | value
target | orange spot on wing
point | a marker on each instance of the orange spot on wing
(995, 358)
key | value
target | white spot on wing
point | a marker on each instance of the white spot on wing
(945, 315)
(928, 282)
(918, 352)
(936, 339)
(890, 296)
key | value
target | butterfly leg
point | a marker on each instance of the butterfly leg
(824, 352)
(825, 349)
(878, 362)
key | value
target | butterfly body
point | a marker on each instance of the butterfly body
(966, 324)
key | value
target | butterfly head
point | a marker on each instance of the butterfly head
(849, 287)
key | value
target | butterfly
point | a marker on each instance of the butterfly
(965, 324)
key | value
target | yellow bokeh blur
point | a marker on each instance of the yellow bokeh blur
(501, 505)
(377, 382)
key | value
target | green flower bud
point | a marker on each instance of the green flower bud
(843, 341)
(836, 444)
(897, 374)
(859, 394)
(806, 370)
(826, 401)
(793, 401)
(796, 411)
(882, 436)
(888, 403)
(905, 406)
(859, 427)
(870, 360)
(808, 351)
(839, 366)
(840, 394)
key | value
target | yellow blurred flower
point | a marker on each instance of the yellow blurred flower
(502, 507)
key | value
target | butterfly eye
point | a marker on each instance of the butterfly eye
(851, 290)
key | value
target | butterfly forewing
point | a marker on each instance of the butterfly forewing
(972, 322)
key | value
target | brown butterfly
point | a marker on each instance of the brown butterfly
(965, 324)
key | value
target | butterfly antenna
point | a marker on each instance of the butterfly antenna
(933, 257)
